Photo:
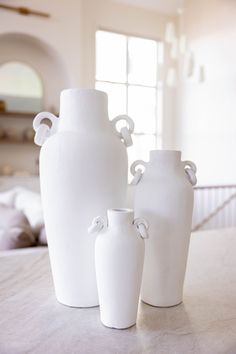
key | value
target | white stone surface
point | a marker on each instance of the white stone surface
(32, 321)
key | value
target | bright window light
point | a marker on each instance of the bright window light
(111, 60)
(127, 70)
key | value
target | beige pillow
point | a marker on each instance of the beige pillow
(15, 231)
(30, 204)
(8, 197)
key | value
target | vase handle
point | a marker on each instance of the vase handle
(141, 226)
(125, 132)
(43, 131)
(97, 225)
(190, 170)
(137, 173)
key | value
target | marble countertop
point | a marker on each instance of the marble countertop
(32, 321)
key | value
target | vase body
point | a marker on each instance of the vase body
(83, 171)
(164, 196)
(119, 255)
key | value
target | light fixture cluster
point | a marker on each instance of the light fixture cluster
(179, 50)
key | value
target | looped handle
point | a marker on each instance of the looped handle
(142, 227)
(97, 225)
(137, 173)
(125, 132)
(190, 170)
(43, 131)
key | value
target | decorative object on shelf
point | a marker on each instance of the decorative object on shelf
(16, 114)
(119, 256)
(164, 196)
(22, 173)
(2, 133)
(28, 134)
(2, 106)
(83, 172)
(7, 170)
(37, 167)
(12, 134)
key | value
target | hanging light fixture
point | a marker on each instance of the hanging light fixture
(171, 79)
(170, 32)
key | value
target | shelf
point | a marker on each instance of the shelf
(12, 114)
(6, 114)
(15, 142)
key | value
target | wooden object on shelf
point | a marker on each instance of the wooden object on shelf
(27, 137)
(13, 134)
(28, 134)
(16, 142)
(7, 170)
(24, 10)
(2, 106)
(6, 114)
(16, 114)
(2, 133)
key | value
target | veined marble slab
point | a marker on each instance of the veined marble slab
(32, 321)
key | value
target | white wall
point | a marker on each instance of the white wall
(42, 58)
(60, 36)
(62, 48)
(70, 32)
(206, 125)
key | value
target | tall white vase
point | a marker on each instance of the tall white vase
(164, 196)
(119, 255)
(83, 171)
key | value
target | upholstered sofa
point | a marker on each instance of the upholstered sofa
(21, 219)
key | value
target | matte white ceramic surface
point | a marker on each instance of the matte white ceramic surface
(83, 172)
(119, 255)
(164, 196)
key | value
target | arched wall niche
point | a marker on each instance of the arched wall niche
(40, 56)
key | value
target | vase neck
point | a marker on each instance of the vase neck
(120, 218)
(83, 110)
(165, 158)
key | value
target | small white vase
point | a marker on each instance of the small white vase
(83, 172)
(164, 196)
(119, 255)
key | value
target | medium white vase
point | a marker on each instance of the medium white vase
(164, 196)
(83, 171)
(119, 255)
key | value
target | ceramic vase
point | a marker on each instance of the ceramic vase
(119, 256)
(83, 171)
(164, 196)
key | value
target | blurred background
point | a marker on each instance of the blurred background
(169, 64)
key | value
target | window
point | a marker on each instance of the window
(127, 69)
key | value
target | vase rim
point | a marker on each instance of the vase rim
(119, 217)
(169, 154)
(83, 91)
(121, 210)
(152, 152)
